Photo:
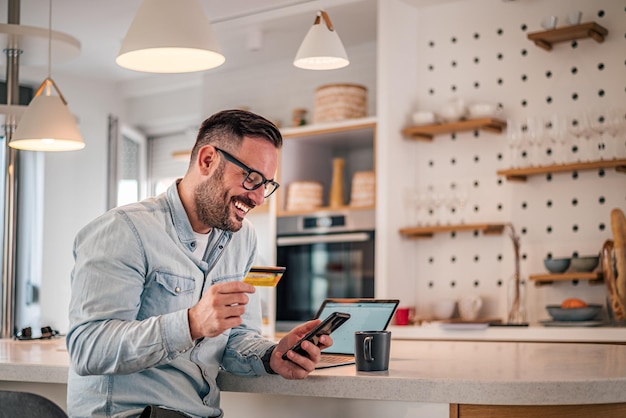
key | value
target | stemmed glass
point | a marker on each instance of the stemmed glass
(556, 132)
(587, 144)
(617, 127)
(460, 195)
(514, 141)
(576, 126)
(416, 201)
(421, 206)
(534, 135)
(450, 204)
(410, 202)
(599, 125)
(614, 124)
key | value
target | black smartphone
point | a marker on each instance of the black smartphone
(326, 327)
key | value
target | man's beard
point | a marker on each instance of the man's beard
(213, 205)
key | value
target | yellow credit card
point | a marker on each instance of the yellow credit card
(264, 276)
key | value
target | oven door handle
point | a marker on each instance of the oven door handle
(317, 239)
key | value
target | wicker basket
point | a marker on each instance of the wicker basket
(304, 195)
(335, 102)
(363, 189)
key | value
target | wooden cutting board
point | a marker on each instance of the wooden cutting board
(614, 264)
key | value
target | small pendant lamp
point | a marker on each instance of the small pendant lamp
(321, 48)
(47, 124)
(168, 36)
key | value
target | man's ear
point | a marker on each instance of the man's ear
(206, 160)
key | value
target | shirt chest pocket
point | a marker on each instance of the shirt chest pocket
(166, 293)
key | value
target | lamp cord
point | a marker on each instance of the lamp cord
(49, 38)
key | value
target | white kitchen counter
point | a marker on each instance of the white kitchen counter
(440, 372)
(464, 372)
(533, 333)
(41, 361)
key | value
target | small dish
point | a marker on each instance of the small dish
(571, 323)
(573, 314)
(464, 326)
(584, 264)
(453, 110)
(423, 117)
(556, 265)
(483, 110)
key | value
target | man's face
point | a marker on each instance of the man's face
(221, 200)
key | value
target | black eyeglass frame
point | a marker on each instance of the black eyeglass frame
(247, 180)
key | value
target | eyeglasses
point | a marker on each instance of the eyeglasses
(253, 179)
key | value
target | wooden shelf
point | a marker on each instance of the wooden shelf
(594, 277)
(427, 132)
(360, 131)
(429, 231)
(520, 174)
(546, 39)
(325, 209)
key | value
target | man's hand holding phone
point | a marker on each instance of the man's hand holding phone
(297, 354)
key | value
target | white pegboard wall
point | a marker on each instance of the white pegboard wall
(465, 52)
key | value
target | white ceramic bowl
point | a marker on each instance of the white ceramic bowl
(483, 110)
(453, 110)
(444, 309)
(424, 117)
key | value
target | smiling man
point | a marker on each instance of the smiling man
(158, 304)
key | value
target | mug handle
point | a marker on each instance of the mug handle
(367, 348)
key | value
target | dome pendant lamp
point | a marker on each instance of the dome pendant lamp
(321, 48)
(168, 36)
(47, 124)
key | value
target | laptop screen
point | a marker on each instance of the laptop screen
(365, 315)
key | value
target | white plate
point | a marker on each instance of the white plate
(460, 326)
(572, 323)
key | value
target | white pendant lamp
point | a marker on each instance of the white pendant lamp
(47, 124)
(170, 36)
(321, 48)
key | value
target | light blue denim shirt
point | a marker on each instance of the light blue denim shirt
(129, 342)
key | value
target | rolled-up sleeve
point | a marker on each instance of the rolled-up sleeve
(109, 277)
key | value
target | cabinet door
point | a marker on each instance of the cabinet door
(539, 411)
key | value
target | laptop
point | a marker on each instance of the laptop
(365, 315)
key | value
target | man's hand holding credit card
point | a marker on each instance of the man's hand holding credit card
(264, 276)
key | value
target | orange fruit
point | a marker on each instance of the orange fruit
(571, 303)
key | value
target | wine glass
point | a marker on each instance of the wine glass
(436, 200)
(599, 125)
(576, 126)
(535, 137)
(410, 204)
(556, 133)
(514, 141)
(615, 123)
(459, 196)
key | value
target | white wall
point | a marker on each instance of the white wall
(74, 192)
(467, 34)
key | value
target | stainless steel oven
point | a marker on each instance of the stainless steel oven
(326, 255)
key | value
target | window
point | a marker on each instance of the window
(128, 181)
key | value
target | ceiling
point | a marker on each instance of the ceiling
(101, 25)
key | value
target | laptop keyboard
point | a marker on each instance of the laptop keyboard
(335, 359)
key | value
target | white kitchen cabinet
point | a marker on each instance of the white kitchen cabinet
(308, 153)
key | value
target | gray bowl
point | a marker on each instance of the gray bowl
(556, 265)
(584, 264)
(573, 314)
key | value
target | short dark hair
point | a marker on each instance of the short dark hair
(227, 129)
